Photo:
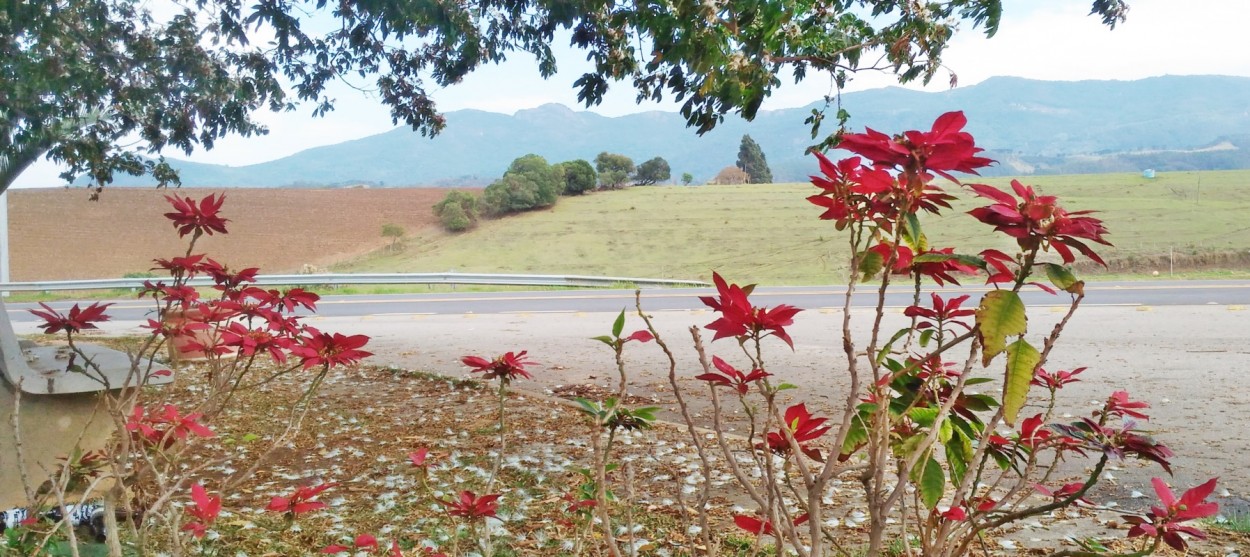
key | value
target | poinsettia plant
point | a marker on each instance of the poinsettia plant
(931, 424)
(233, 332)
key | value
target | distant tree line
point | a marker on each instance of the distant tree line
(531, 183)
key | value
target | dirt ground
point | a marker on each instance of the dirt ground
(56, 234)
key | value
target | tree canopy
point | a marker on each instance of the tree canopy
(529, 183)
(751, 160)
(579, 177)
(79, 77)
(653, 171)
(613, 169)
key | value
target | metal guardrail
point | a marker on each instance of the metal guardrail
(366, 278)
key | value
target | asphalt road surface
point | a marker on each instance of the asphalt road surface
(1161, 293)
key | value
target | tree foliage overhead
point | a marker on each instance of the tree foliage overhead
(79, 76)
(751, 160)
(614, 170)
(653, 171)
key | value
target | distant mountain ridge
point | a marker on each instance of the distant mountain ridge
(1029, 126)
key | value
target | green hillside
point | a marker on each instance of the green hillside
(770, 234)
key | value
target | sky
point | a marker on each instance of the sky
(1038, 39)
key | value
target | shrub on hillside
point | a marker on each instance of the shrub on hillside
(730, 175)
(529, 183)
(653, 171)
(614, 170)
(457, 211)
(579, 177)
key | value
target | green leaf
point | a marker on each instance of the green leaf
(923, 416)
(619, 325)
(785, 387)
(604, 339)
(979, 403)
(249, 437)
(932, 483)
(1022, 359)
(1063, 278)
(958, 453)
(977, 381)
(926, 336)
(870, 264)
(940, 257)
(885, 349)
(1000, 315)
(912, 234)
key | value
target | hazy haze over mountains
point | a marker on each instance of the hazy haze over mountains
(1029, 126)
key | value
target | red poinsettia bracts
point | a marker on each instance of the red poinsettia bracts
(301, 501)
(1038, 222)
(166, 426)
(318, 348)
(732, 377)
(77, 320)
(739, 319)
(1165, 522)
(802, 427)
(469, 506)
(507, 367)
(201, 218)
(204, 511)
(762, 527)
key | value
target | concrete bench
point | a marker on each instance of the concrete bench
(42, 370)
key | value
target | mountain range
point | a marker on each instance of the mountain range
(1029, 126)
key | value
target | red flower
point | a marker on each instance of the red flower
(954, 514)
(762, 527)
(945, 147)
(204, 512)
(941, 270)
(506, 368)
(78, 319)
(1119, 405)
(301, 501)
(943, 312)
(1064, 492)
(1164, 522)
(1037, 221)
(472, 507)
(731, 377)
(418, 457)
(201, 218)
(250, 341)
(228, 280)
(360, 543)
(166, 427)
(1056, 380)
(800, 426)
(318, 348)
(179, 267)
(740, 319)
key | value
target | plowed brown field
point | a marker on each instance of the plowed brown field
(58, 234)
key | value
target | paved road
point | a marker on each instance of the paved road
(1161, 293)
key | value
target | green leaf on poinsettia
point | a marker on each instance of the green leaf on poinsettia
(604, 339)
(1000, 315)
(958, 453)
(870, 264)
(932, 482)
(619, 325)
(913, 235)
(1063, 278)
(1022, 360)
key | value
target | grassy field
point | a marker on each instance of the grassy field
(770, 234)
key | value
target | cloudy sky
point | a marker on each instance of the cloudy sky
(1040, 39)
